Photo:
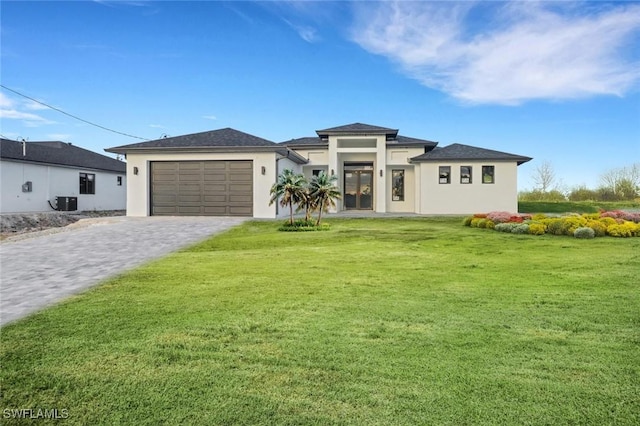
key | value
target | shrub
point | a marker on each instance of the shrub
(499, 217)
(619, 214)
(516, 219)
(584, 232)
(537, 228)
(480, 215)
(555, 226)
(505, 227)
(520, 228)
(482, 223)
(599, 228)
(571, 223)
(582, 193)
(490, 224)
(301, 225)
(539, 216)
(475, 221)
(608, 221)
(620, 230)
(467, 221)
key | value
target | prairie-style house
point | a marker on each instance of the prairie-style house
(228, 172)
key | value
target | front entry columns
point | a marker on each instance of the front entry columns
(380, 174)
(334, 170)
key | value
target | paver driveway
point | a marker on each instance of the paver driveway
(37, 272)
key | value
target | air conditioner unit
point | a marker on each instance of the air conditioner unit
(66, 204)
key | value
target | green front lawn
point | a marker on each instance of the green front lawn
(376, 321)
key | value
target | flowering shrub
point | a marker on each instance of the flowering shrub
(571, 223)
(499, 217)
(614, 223)
(537, 228)
(598, 227)
(608, 221)
(620, 230)
(584, 232)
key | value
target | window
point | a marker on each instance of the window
(465, 174)
(397, 179)
(445, 174)
(119, 180)
(316, 172)
(488, 174)
(87, 183)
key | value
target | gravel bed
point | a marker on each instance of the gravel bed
(23, 225)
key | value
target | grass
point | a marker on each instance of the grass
(574, 206)
(374, 322)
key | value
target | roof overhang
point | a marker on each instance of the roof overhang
(519, 160)
(389, 134)
(284, 151)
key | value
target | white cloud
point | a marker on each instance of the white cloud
(59, 136)
(157, 126)
(506, 53)
(14, 110)
(5, 101)
(28, 119)
(210, 117)
(306, 32)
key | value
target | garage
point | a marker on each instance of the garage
(201, 188)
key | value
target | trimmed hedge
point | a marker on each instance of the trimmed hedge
(615, 223)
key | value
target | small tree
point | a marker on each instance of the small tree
(324, 191)
(544, 177)
(289, 189)
(623, 182)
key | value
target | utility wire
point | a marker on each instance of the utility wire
(71, 115)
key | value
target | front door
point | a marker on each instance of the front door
(358, 189)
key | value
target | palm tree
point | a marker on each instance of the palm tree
(308, 203)
(324, 191)
(289, 189)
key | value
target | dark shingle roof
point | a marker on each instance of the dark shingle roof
(226, 139)
(458, 151)
(405, 140)
(356, 128)
(312, 140)
(59, 153)
(215, 138)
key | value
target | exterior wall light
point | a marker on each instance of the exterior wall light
(135, 170)
(380, 172)
(263, 170)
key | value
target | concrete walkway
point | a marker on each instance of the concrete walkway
(39, 271)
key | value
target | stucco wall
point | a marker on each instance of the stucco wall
(477, 197)
(51, 181)
(408, 205)
(138, 203)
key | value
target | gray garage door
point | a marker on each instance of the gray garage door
(202, 188)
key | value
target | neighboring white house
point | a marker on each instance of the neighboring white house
(41, 176)
(228, 172)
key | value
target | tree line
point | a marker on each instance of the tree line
(619, 184)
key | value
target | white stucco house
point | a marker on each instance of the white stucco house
(228, 172)
(43, 176)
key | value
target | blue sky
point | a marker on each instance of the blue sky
(557, 81)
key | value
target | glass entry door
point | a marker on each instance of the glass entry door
(358, 189)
